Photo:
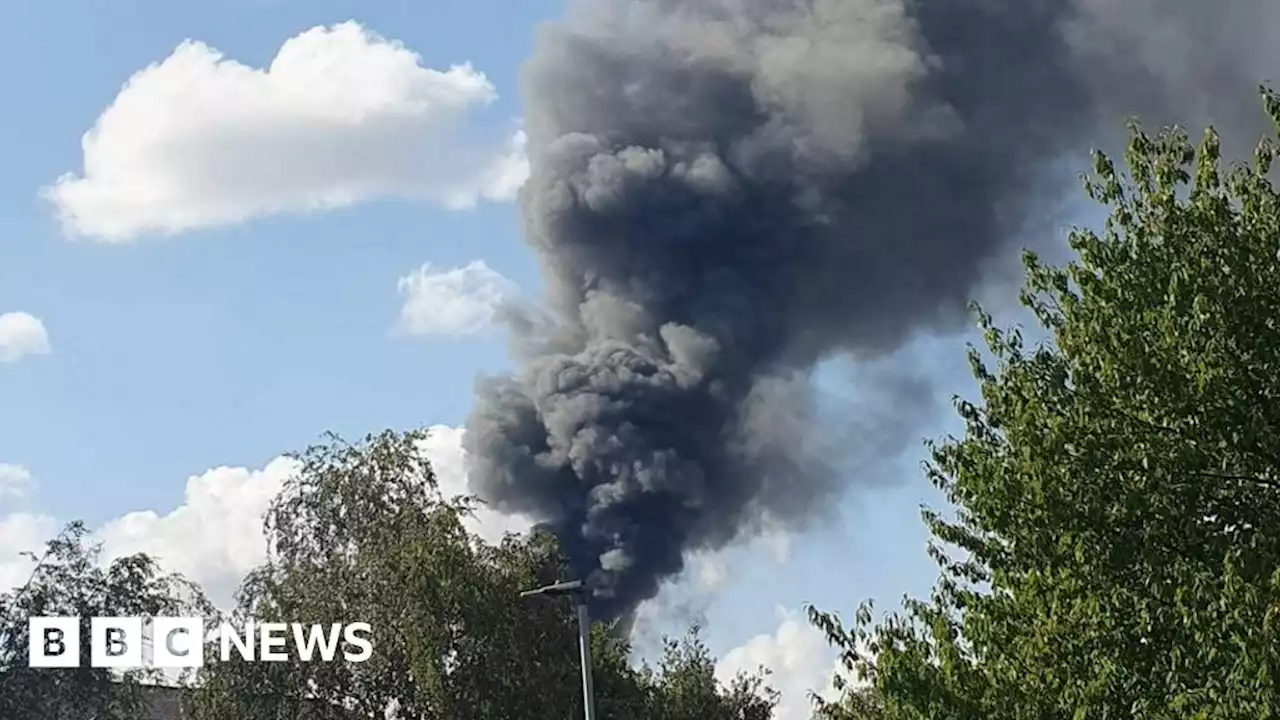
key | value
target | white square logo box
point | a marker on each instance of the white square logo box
(53, 642)
(115, 642)
(177, 642)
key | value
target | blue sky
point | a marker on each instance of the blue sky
(229, 345)
(222, 346)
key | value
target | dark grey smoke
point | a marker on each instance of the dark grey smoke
(725, 192)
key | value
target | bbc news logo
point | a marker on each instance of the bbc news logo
(179, 642)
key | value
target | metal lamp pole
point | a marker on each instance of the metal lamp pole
(575, 590)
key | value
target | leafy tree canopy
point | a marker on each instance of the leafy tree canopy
(362, 533)
(71, 579)
(1115, 546)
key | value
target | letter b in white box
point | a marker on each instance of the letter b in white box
(53, 642)
(115, 642)
(177, 642)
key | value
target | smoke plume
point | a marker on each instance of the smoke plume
(726, 192)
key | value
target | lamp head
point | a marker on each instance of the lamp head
(572, 587)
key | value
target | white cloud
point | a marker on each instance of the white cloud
(339, 116)
(502, 178)
(22, 532)
(459, 301)
(799, 658)
(15, 480)
(443, 447)
(22, 334)
(216, 536)
(213, 538)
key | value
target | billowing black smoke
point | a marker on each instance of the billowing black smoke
(725, 192)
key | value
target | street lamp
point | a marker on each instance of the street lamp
(575, 590)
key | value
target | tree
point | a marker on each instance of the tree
(361, 533)
(71, 579)
(1114, 549)
(684, 687)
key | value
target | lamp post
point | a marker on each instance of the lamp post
(575, 590)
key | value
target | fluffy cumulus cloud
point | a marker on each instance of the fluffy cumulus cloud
(799, 660)
(443, 446)
(339, 116)
(215, 537)
(459, 301)
(22, 334)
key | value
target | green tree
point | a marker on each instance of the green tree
(71, 579)
(684, 687)
(361, 533)
(1114, 549)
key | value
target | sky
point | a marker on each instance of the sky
(228, 228)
